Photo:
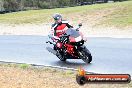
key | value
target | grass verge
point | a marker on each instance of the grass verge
(119, 14)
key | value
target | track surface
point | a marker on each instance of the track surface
(110, 55)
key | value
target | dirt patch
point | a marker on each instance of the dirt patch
(24, 29)
(43, 30)
(12, 76)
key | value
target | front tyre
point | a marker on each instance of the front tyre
(85, 55)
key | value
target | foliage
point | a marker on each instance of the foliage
(18, 5)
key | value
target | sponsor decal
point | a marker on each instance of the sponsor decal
(84, 77)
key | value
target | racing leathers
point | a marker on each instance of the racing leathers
(59, 29)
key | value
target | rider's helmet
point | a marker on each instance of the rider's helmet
(57, 17)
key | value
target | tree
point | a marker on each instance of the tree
(1, 6)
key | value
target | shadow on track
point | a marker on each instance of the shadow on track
(71, 64)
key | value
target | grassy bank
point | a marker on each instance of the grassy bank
(118, 14)
(27, 76)
(121, 16)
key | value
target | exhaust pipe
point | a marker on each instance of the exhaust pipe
(51, 50)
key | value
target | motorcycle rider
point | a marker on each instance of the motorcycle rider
(60, 26)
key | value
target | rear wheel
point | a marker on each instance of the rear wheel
(61, 56)
(85, 55)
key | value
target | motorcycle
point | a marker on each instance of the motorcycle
(70, 46)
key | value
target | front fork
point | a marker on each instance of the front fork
(79, 49)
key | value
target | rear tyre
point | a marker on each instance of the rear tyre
(85, 55)
(60, 56)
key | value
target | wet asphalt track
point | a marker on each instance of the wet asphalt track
(110, 55)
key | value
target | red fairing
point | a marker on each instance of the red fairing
(70, 48)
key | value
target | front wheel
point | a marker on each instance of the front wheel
(85, 55)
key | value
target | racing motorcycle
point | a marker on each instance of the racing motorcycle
(70, 46)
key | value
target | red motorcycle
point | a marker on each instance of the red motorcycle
(70, 46)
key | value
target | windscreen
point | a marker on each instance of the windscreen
(72, 32)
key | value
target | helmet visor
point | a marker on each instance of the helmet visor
(57, 18)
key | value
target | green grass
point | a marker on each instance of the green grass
(38, 16)
(121, 16)
(24, 66)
